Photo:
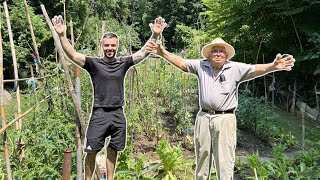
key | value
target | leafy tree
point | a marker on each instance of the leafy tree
(289, 26)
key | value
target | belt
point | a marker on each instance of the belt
(218, 112)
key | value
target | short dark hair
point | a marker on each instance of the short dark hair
(109, 35)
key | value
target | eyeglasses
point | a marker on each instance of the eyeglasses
(215, 51)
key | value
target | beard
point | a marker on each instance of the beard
(109, 54)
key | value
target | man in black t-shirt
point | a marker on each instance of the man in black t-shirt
(107, 74)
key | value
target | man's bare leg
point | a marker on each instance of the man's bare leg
(111, 162)
(90, 163)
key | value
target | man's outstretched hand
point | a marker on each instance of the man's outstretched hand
(58, 25)
(158, 26)
(284, 62)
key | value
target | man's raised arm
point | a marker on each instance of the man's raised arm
(156, 28)
(60, 28)
(175, 60)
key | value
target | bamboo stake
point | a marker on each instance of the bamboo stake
(257, 58)
(78, 93)
(75, 99)
(62, 60)
(303, 125)
(23, 114)
(33, 84)
(85, 23)
(15, 66)
(265, 85)
(103, 29)
(25, 79)
(64, 12)
(3, 116)
(295, 29)
(273, 90)
(34, 42)
(294, 97)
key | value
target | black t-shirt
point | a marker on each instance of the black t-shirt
(108, 78)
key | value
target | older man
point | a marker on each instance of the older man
(215, 127)
(107, 74)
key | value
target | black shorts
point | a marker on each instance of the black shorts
(106, 122)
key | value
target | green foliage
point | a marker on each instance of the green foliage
(21, 34)
(260, 119)
(45, 134)
(304, 165)
(175, 12)
(171, 158)
(278, 26)
(132, 166)
(91, 40)
(193, 41)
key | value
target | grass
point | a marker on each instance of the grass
(293, 123)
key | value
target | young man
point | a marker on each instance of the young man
(215, 128)
(107, 74)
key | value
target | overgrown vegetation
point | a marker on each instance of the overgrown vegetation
(161, 101)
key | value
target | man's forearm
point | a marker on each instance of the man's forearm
(70, 52)
(142, 53)
(175, 60)
(263, 69)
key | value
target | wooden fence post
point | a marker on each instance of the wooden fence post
(78, 93)
(3, 117)
(15, 66)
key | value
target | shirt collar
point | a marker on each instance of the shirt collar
(225, 66)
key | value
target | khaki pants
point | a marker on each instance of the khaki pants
(215, 141)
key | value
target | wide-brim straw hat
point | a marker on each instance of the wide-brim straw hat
(218, 42)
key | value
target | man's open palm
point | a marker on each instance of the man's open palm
(158, 26)
(284, 63)
(58, 24)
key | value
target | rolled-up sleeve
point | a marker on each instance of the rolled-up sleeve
(245, 71)
(193, 66)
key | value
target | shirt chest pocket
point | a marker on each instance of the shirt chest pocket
(225, 87)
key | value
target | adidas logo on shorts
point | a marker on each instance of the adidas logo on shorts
(89, 147)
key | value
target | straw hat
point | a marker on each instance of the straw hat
(218, 42)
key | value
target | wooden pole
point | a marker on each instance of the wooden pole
(317, 96)
(15, 66)
(62, 60)
(103, 29)
(303, 111)
(254, 81)
(75, 99)
(34, 42)
(64, 12)
(85, 23)
(78, 93)
(23, 114)
(273, 90)
(294, 97)
(33, 84)
(3, 116)
(265, 85)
